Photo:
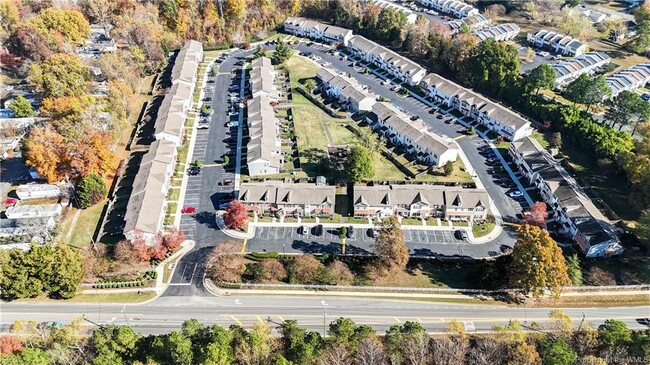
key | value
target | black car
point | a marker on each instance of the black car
(194, 170)
(318, 230)
(350, 232)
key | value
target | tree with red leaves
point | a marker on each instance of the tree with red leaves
(123, 251)
(174, 239)
(9, 345)
(236, 216)
(158, 252)
(536, 215)
(141, 251)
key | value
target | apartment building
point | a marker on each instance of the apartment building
(34, 211)
(426, 201)
(349, 93)
(147, 204)
(572, 208)
(588, 63)
(398, 66)
(629, 79)
(288, 199)
(492, 115)
(317, 31)
(474, 23)
(458, 9)
(558, 43)
(427, 147)
(411, 16)
(501, 32)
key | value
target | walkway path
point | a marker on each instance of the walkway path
(68, 236)
(330, 140)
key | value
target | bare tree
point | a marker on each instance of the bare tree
(371, 352)
(416, 350)
(335, 354)
(449, 350)
(495, 10)
(487, 351)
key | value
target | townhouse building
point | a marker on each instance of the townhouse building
(572, 209)
(170, 120)
(494, 116)
(261, 77)
(425, 201)
(455, 8)
(264, 146)
(396, 65)
(474, 23)
(288, 199)
(426, 147)
(349, 93)
(556, 42)
(317, 31)
(501, 32)
(411, 16)
(629, 79)
(569, 70)
(145, 210)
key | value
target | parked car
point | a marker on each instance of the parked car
(318, 230)
(303, 230)
(515, 194)
(350, 232)
(188, 210)
(232, 124)
(225, 182)
(10, 201)
(461, 234)
(194, 170)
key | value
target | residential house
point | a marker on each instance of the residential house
(346, 90)
(501, 32)
(427, 147)
(396, 65)
(572, 209)
(296, 199)
(455, 8)
(147, 204)
(187, 63)
(318, 31)
(411, 16)
(492, 115)
(425, 201)
(34, 211)
(264, 154)
(558, 43)
(38, 191)
(629, 79)
(588, 63)
(99, 42)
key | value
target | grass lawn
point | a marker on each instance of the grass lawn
(300, 68)
(503, 148)
(340, 134)
(130, 297)
(309, 129)
(458, 175)
(482, 229)
(85, 227)
(434, 274)
(411, 222)
(541, 138)
(173, 194)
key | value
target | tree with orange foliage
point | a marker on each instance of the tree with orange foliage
(536, 214)
(174, 239)
(158, 252)
(537, 263)
(10, 345)
(46, 150)
(236, 216)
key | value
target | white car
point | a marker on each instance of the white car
(233, 124)
(515, 194)
(385, 82)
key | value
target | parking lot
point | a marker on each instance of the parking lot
(331, 234)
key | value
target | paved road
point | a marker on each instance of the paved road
(167, 314)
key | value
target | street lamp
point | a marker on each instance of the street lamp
(324, 323)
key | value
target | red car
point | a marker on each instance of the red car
(10, 201)
(188, 210)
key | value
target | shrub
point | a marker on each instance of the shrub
(336, 273)
(270, 270)
(90, 190)
(303, 269)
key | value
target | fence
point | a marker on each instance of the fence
(419, 290)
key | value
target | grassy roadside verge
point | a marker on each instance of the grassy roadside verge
(130, 297)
